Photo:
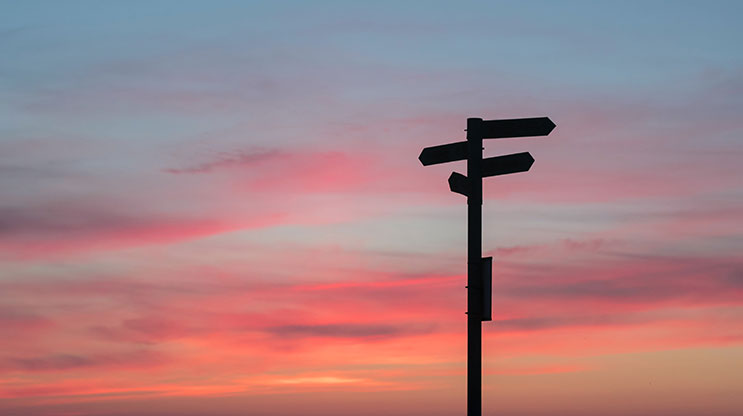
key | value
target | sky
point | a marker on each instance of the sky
(216, 208)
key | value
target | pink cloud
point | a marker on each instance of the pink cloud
(73, 362)
(392, 321)
(54, 233)
(231, 159)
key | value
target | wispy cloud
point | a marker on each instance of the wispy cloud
(349, 330)
(226, 160)
(71, 362)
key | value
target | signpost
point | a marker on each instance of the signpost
(479, 270)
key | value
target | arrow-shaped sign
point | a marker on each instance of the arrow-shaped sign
(493, 166)
(516, 127)
(503, 165)
(443, 153)
(459, 183)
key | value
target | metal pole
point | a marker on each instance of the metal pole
(474, 268)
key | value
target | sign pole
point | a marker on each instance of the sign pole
(479, 279)
(474, 267)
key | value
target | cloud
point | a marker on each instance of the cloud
(320, 380)
(589, 245)
(295, 172)
(602, 321)
(67, 362)
(151, 330)
(585, 245)
(19, 321)
(54, 230)
(248, 325)
(231, 159)
(348, 330)
(634, 280)
(64, 220)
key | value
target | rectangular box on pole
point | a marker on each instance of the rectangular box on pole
(487, 288)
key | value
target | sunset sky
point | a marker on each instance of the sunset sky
(216, 208)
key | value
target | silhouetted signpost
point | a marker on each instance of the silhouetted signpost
(479, 270)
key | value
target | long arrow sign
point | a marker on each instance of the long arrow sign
(516, 127)
(503, 165)
(445, 153)
(489, 129)
(493, 166)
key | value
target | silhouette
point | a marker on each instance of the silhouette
(479, 270)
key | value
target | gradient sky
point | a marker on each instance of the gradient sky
(216, 208)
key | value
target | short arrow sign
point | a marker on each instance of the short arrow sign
(516, 127)
(459, 183)
(503, 165)
(444, 153)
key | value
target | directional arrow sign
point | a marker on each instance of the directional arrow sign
(516, 127)
(444, 153)
(503, 165)
(459, 183)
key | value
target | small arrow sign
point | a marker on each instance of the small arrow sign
(459, 183)
(503, 165)
(443, 153)
(516, 127)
